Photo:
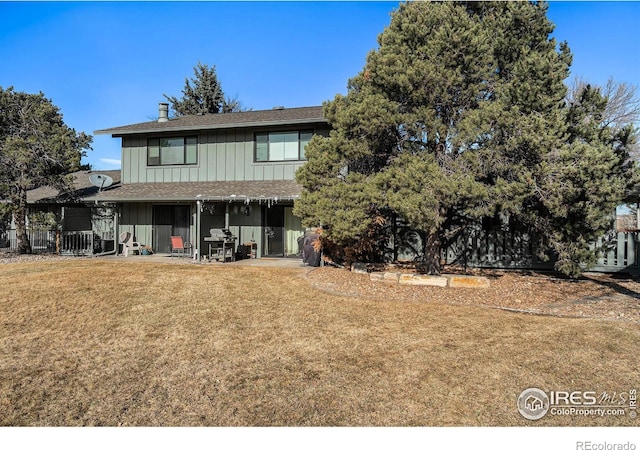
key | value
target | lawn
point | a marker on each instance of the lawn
(120, 343)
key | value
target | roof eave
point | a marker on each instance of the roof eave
(213, 198)
(118, 132)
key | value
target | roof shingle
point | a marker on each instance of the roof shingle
(286, 116)
(81, 184)
(202, 190)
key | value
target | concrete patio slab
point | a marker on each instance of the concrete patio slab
(293, 263)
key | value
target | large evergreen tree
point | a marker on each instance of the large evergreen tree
(581, 183)
(203, 95)
(459, 114)
(36, 149)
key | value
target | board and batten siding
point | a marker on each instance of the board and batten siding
(223, 155)
(136, 218)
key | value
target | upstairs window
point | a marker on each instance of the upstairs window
(282, 145)
(172, 151)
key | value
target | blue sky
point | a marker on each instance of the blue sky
(109, 63)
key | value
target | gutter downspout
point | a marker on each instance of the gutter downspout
(196, 252)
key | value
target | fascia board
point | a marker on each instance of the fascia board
(118, 132)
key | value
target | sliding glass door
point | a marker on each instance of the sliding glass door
(169, 220)
(281, 232)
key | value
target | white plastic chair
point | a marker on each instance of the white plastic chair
(127, 243)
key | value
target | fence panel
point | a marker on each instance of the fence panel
(620, 253)
(42, 241)
(502, 249)
(510, 249)
(76, 243)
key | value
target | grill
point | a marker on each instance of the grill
(221, 244)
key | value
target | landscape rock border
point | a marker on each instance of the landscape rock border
(452, 281)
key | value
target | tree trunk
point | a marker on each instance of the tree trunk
(20, 218)
(432, 250)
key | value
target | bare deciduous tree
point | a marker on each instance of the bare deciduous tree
(623, 103)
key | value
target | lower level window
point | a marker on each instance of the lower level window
(172, 151)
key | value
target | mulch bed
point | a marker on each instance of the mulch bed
(12, 257)
(597, 296)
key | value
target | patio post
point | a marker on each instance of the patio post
(197, 244)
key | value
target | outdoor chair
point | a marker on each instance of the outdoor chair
(126, 239)
(178, 247)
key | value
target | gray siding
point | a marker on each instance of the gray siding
(137, 219)
(223, 155)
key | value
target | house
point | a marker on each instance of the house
(69, 224)
(187, 175)
(627, 223)
(184, 177)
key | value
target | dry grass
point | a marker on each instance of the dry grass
(124, 343)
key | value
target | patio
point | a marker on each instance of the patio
(293, 263)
